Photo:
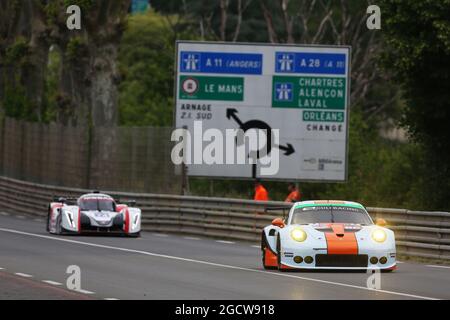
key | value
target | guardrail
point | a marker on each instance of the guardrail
(418, 233)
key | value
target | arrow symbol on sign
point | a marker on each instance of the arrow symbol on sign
(258, 124)
(288, 149)
(232, 113)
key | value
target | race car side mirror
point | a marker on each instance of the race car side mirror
(278, 222)
(380, 222)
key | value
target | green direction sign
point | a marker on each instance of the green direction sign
(308, 92)
(211, 88)
(323, 116)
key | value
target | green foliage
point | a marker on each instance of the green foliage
(146, 61)
(16, 104)
(15, 101)
(83, 4)
(76, 48)
(54, 8)
(418, 37)
(51, 10)
(18, 52)
(380, 172)
(50, 105)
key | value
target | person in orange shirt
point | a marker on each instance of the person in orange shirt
(261, 193)
(294, 194)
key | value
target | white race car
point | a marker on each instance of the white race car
(93, 212)
(328, 235)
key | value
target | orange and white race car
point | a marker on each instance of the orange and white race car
(328, 235)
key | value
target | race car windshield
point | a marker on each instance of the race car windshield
(330, 214)
(97, 205)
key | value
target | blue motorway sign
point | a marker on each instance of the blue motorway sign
(305, 62)
(283, 91)
(221, 62)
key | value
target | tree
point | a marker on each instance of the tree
(218, 20)
(417, 34)
(340, 22)
(87, 86)
(89, 75)
(23, 57)
(146, 61)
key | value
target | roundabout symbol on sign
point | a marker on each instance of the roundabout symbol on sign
(190, 86)
(260, 125)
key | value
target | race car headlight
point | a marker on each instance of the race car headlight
(379, 235)
(298, 234)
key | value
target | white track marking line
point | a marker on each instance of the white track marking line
(256, 246)
(20, 217)
(399, 262)
(23, 275)
(84, 291)
(225, 242)
(53, 283)
(4, 214)
(435, 266)
(191, 238)
(213, 264)
(160, 235)
(111, 299)
(2, 268)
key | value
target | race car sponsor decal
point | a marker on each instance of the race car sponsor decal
(324, 207)
(101, 214)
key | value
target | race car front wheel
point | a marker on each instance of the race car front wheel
(264, 248)
(263, 251)
(280, 267)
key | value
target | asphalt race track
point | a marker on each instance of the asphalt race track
(33, 265)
